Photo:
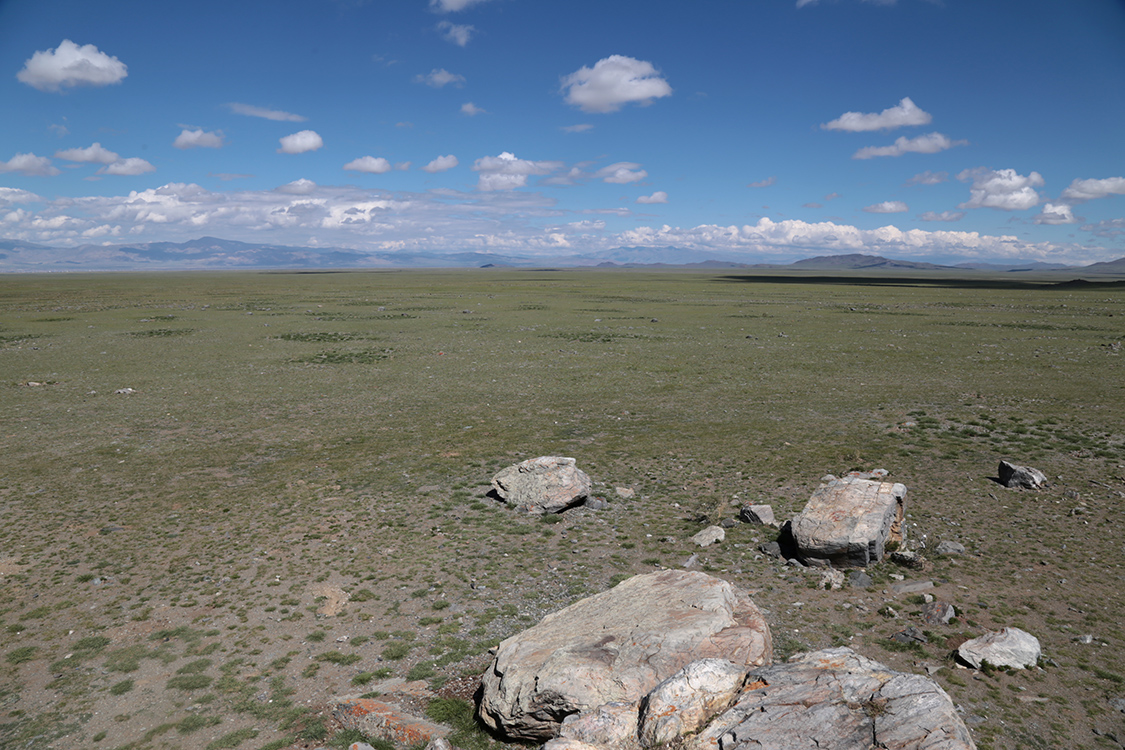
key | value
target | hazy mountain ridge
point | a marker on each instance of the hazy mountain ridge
(213, 253)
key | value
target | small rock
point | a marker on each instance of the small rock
(709, 536)
(625, 493)
(365, 746)
(1083, 639)
(596, 503)
(831, 579)
(908, 559)
(938, 613)
(950, 548)
(1021, 477)
(125, 391)
(1010, 647)
(857, 579)
(771, 549)
(910, 587)
(691, 561)
(547, 484)
(728, 523)
(761, 515)
(910, 635)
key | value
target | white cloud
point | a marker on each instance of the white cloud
(93, 154)
(1110, 228)
(69, 65)
(439, 77)
(29, 165)
(931, 143)
(199, 138)
(369, 164)
(300, 142)
(505, 172)
(943, 216)
(402, 166)
(1088, 190)
(903, 114)
(1056, 213)
(831, 196)
(458, 34)
(764, 183)
(9, 196)
(59, 130)
(1002, 189)
(658, 197)
(470, 109)
(297, 187)
(613, 82)
(887, 207)
(130, 167)
(441, 164)
(452, 6)
(621, 173)
(580, 128)
(268, 114)
(928, 178)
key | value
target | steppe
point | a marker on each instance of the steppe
(227, 498)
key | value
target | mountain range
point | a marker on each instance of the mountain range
(212, 253)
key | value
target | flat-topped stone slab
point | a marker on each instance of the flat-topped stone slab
(849, 522)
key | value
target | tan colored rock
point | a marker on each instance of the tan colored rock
(850, 521)
(616, 646)
(687, 700)
(548, 484)
(611, 725)
(387, 721)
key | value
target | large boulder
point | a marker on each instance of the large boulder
(850, 522)
(833, 699)
(1010, 647)
(548, 484)
(615, 647)
(1019, 477)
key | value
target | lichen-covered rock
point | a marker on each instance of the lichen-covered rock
(612, 725)
(617, 646)
(1010, 647)
(850, 521)
(548, 484)
(687, 700)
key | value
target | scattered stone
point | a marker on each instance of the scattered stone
(548, 484)
(728, 523)
(910, 587)
(1085, 640)
(595, 503)
(938, 613)
(1010, 647)
(386, 721)
(857, 579)
(334, 599)
(1021, 477)
(709, 536)
(1117, 704)
(850, 521)
(949, 548)
(770, 549)
(910, 635)
(691, 561)
(831, 579)
(625, 493)
(125, 391)
(873, 474)
(908, 559)
(617, 646)
(761, 515)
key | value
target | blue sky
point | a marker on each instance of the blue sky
(764, 130)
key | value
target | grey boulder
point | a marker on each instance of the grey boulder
(849, 522)
(615, 647)
(761, 515)
(1010, 647)
(548, 484)
(1021, 477)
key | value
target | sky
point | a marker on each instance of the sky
(756, 130)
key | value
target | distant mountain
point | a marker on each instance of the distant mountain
(858, 262)
(1109, 266)
(1002, 267)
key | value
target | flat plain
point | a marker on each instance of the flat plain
(227, 498)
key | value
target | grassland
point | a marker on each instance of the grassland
(195, 465)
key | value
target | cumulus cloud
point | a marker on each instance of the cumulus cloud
(441, 164)
(887, 207)
(1088, 190)
(268, 114)
(580, 128)
(943, 216)
(928, 178)
(9, 196)
(130, 167)
(470, 109)
(93, 154)
(505, 172)
(658, 197)
(764, 183)
(297, 187)
(199, 138)
(621, 173)
(369, 165)
(456, 33)
(903, 114)
(452, 6)
(1110, 229)
(1002, 189)
(439, 77)
(29, 165)
(69, 65)
(931, 143)
(1056, 213)
(300, 142)
(614, 82)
